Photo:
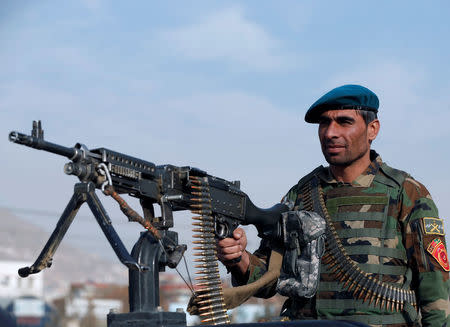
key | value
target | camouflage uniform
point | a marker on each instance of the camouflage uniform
(381, 221)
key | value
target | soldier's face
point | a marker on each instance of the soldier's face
(344, 136)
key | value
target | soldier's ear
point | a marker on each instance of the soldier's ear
(372, 129)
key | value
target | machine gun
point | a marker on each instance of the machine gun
(220, 207)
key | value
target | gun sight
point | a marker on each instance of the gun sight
(37, 130)
(36, 140)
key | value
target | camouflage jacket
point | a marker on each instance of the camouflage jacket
(406, 248)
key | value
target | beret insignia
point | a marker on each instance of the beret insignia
(433, 226)
(437, 249)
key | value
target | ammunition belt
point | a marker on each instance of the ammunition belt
(209, 292)
(361, 284)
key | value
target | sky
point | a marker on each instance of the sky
(218, 85)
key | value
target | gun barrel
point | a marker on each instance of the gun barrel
(41, 144)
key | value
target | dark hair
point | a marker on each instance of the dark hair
(367, 115)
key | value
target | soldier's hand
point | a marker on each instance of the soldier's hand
(233, 248)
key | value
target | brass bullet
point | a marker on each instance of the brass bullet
(201, 206)
(209, 278)
(335, 269)
(223, 319)
(207, 265)
(389, 296)
(372, 298)
(339, 275)
(208, 259)
(378, 299)
(211, 307)
(209, 283)
(361, 294)
(396, 296)
(205, 241)
(351, 277)
(205, 235)
(215, 312)
(370, 287)
(207, 271)
(201, 187)
(203, 223)
(204, 230)
(349, 280)
(202, 199)
(210, 301)
(368, 294)
(356, 281)
(210, 295)
(204, 247)
(203, 218)
(210, 289)
(384, 297)
(332, 264)
(382, 302)
(206, 253)
(376, 290)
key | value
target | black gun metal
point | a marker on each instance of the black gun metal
(169, 187)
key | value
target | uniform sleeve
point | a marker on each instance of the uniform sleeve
(258, 267)
(426, 253)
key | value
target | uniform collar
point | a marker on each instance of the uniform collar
(363, 180)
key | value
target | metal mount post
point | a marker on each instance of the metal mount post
(144, 286)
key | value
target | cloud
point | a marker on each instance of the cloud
(229, 36)
(93, 5)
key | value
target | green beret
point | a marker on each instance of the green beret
(343, 97)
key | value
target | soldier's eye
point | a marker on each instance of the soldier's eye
(345, 121)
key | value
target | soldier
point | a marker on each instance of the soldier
(385, 261)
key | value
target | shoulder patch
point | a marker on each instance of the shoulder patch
(437, 249)
(433, 226)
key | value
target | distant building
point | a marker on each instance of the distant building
(23, 298)
(87, 304)
(30, 311)
(13, 286)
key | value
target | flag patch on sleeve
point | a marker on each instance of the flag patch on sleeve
(433, 226)
(437, 249)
